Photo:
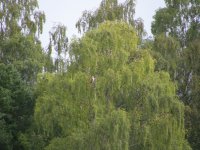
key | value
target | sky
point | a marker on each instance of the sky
(67, 12)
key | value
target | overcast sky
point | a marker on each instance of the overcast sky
(67, 12)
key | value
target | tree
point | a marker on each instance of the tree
(21, 59)
(20, 26)
(16, 100)
(111, 10)
(20, 17)
(25, 54)
(192, 96)
(58, 43)
(110, 97)
(166, 51)
(180, 20)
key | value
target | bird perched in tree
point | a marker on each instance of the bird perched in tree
(93, 81)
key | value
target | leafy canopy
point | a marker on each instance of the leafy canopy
(110, 98)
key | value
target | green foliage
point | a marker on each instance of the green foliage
(113, 95)
(24, 54)
(58, 43)
(20, 16)
(180, 20)
(110, 98)
(109, 133)
(16, 101)
(192, 96)
(21, 59)
(108, 10)
(103, 48)
(5, 134)
(111, 10)
(167, 51)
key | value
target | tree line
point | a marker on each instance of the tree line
(111, 89)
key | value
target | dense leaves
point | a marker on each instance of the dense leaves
(24, 54)
(21, 59)
(110, 80)
(113, 91)
(16, 101)
(179, 21)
